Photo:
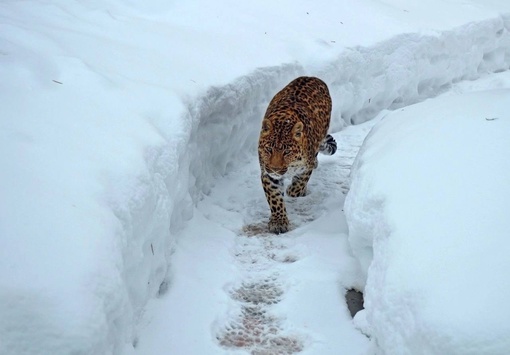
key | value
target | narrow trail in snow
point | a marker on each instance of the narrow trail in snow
(262, 299)
(255, 323)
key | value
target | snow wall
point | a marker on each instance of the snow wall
(362, 81)
(426, 220)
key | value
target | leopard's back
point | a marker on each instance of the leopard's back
(310, 101)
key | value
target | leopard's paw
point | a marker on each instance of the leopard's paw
(278, 226)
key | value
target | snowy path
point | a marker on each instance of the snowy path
(267, 294)
(289, 287)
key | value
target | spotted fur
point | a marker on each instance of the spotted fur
(294, 130)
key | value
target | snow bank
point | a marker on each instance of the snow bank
(109, 134)
(427, 220)
(412, 67)
(89, 167)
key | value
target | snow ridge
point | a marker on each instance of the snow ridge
(413, 67)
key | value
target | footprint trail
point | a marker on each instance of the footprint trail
(265, 299)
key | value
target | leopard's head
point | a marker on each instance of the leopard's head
(282, 146)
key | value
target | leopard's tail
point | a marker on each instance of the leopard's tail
(328, 145)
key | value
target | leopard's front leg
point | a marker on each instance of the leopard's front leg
(299, 182)
(273, 188)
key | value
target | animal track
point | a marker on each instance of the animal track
(255, 329)
(255, 293)
(260, 333)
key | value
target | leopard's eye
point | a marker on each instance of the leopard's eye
(266, 126)
(298, 135)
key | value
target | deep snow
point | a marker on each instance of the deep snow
(426, 215)
(115, 118)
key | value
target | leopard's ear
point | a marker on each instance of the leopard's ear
(297, 130)
(267, 127)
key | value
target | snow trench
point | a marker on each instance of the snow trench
(224, 126)
(362, 81)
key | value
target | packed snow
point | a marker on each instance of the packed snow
(131, 216)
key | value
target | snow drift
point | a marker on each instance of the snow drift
(426, 215)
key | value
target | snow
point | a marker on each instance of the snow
(427, 222)
(125, 126)
(273, 275)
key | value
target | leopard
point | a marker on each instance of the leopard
(294, 130)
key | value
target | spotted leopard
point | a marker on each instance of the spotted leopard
(294, 131)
